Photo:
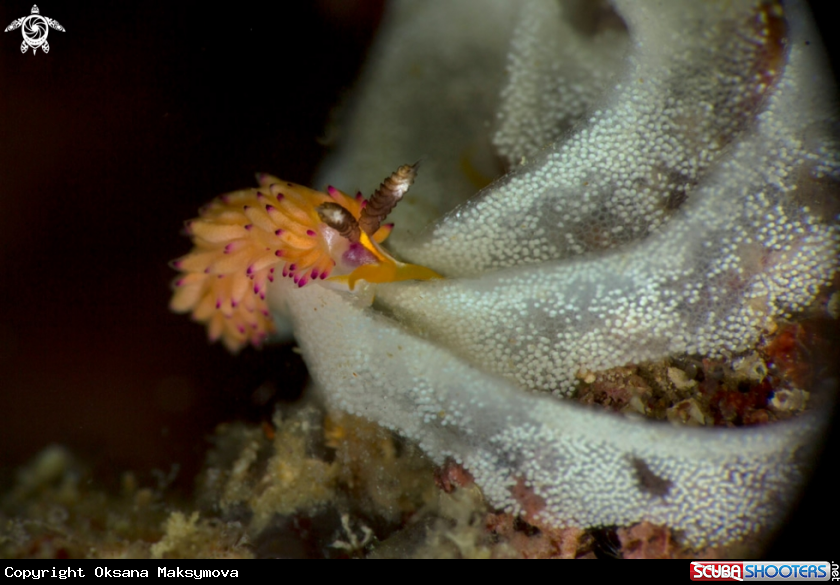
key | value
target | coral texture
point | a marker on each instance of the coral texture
(689, 202)
(672, 191)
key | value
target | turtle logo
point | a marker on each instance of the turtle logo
(35, 29)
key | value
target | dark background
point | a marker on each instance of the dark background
(140, 113)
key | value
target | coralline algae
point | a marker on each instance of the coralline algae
(677, 200)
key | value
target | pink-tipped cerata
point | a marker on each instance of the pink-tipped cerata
(242, 240)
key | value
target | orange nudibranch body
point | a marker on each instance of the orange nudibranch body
(243, 239)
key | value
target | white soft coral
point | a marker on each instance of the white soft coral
(668, 220)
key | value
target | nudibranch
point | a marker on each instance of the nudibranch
(243, 237)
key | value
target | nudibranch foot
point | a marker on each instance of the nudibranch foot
(386, 272)
(243, 239)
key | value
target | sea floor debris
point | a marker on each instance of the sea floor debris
(307, 484)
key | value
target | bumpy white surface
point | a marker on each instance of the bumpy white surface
(430, 93)
(723, 486)
(743, 250)
(563, 56)
(690, 90)
(687, 209)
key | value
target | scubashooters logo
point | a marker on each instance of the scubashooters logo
(35, 29)
(759, 571)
